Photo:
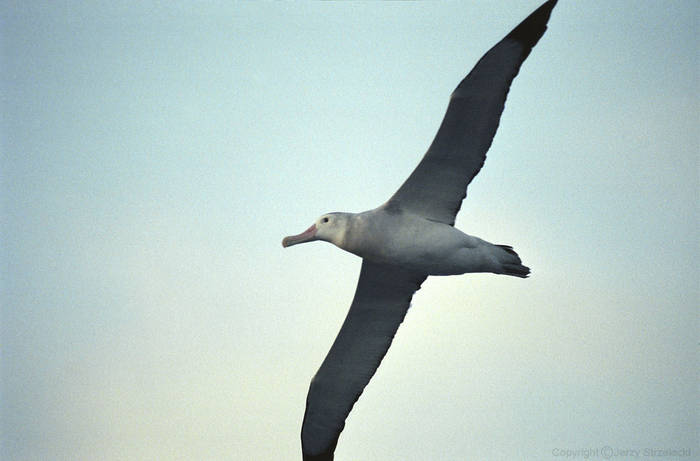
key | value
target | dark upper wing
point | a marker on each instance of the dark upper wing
(381, 300)
(437, 186)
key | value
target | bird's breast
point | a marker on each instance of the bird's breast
(403, 239)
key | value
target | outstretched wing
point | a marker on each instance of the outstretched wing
(381, 300)
(438, 185)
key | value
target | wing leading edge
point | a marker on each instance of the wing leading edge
(436, 188)
(381, 301)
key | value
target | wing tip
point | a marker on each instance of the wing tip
(321, 457)
(531, 29)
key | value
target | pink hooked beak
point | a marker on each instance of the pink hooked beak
(307, 236)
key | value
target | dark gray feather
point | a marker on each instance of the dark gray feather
(438, 185)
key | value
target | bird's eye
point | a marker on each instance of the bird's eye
(324, 220)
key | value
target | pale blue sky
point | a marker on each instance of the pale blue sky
(154, 155)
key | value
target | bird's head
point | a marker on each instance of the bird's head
(330, 227)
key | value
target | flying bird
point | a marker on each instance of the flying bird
(412, 236)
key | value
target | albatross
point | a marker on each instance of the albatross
(412, 236)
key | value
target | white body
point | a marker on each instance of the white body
(415, 243)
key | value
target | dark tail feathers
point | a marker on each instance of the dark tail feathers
(511, 264)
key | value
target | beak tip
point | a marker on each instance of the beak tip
(306, 236)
